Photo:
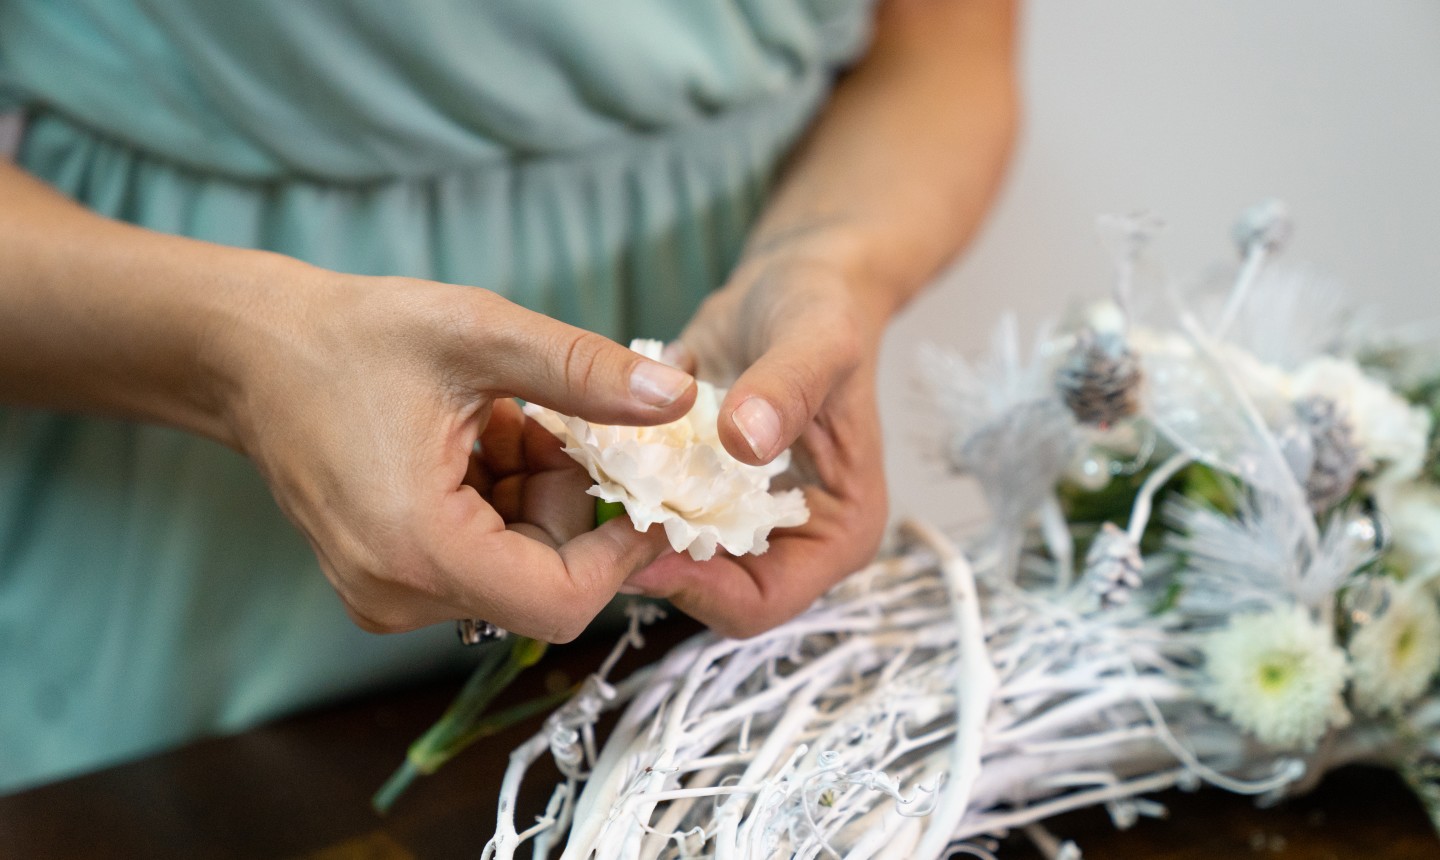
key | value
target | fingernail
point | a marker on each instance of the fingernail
(658, 384)
(633, 590)
(759, 423)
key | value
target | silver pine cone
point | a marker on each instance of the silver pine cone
(1336, 458)
(1112, 567)
(1100, 378)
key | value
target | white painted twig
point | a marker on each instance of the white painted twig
(1007, 821)
(1254, 263)
(1145, 500)
(1056, 533)
(974, 686)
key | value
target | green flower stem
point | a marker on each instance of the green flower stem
(462, 723)
(607, 511)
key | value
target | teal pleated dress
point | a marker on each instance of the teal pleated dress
(596, 160)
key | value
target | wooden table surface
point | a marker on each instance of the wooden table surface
(300, 788)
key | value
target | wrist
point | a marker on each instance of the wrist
(838, 255)
(257, 331)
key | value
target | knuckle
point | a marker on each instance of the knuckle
(845, 351)
(809, 397)
(376, 589)
(583, 359)
(573, 606)
(466, 313)
(805, 384)
(803, 392)
(565, 627)
(378, 619)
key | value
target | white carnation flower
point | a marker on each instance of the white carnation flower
(1396, 655)
(1412, 512)
(680, 476)
(1278, 675)
(1392, 434)
(1266, 386)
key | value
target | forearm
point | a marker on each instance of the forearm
(899, 169)
(103, 317)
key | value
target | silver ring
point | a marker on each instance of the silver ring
(473, 631)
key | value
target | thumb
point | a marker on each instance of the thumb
(773, 402)
(577, 372)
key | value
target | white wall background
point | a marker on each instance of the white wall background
(1193, 109)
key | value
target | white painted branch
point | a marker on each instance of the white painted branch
(974, 686)
(1145, 499)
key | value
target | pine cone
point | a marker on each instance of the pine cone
(1336, 462)
(1112, 567)
(1100, 379)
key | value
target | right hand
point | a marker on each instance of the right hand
(361, 400)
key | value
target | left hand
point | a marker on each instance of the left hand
(889, 182)
(802, 335)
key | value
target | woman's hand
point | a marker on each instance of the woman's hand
(802, 335)
(888, 185)
(361, 401)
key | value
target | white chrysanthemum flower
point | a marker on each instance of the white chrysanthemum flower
(1393, 436)
(679, 475)
(1396, 655)
(1278, 675)
(1412, 512)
